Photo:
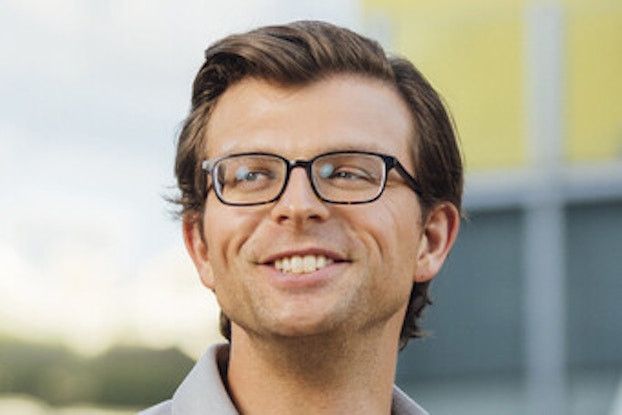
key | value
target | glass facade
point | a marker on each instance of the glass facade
(526, 310)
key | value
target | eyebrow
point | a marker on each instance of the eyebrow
(328, 149)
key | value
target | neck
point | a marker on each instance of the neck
(312, 375)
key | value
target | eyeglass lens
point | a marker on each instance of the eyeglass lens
(336, 177)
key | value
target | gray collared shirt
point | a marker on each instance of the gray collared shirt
(203, 392)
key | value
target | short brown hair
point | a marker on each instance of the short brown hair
(299, 54)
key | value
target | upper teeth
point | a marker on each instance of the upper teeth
(298, 264)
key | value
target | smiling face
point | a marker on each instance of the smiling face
(300, 266)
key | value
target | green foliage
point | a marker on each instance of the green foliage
(124, 376)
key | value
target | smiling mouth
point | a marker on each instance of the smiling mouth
(298, 264)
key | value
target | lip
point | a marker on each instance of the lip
(337, 258)
(304, 281)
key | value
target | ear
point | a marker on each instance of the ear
(438, 235)
(196, 246)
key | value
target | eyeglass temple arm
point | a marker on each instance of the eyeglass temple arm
(410, 180)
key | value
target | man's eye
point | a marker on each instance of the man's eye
(349, 175)
(244, 174)
(345, 173)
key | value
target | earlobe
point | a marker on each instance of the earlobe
(438, 236)
(197, 249)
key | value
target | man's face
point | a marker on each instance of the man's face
(362, 259)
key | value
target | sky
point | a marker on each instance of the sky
(92, 94)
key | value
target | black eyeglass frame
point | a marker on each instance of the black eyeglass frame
(390, 162)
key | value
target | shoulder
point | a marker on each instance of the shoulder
(202, 391)
(163, 408)
(403, 405)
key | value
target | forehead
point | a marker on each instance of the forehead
(338, 113)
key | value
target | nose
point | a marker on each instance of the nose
(299, 204)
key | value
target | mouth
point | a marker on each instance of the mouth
(302, 264)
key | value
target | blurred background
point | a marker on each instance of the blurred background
(101, 311)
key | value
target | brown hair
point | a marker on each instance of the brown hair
(301, 53)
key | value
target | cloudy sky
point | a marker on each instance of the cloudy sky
(91, 98)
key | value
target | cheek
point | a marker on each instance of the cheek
(395, 234)
(227, 229)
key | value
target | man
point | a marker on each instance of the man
(320, 193)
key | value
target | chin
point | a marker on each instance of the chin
(304, 327)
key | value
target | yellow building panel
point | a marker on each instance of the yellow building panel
(594, 84)
(453, 6)
(474, 58)
(474, 53)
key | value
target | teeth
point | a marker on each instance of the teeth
(302, 264)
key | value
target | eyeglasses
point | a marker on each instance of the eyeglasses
(341, 177)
